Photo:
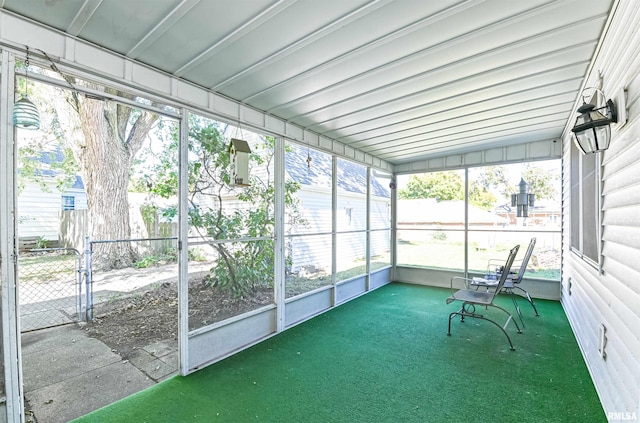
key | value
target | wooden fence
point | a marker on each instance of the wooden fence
(74, 229)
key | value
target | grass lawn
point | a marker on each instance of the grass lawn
(450, 255)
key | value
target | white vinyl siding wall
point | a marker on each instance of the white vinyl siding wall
(39, 211)
(316, 207)
(612, 298)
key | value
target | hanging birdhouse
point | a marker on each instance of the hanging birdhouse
(239, 159)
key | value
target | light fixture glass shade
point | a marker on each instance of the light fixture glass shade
(593, 140)
(591, 130)
(25, 114)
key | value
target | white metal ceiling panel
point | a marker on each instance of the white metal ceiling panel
(443, 121)
(394, 57)
(463, 92)
(456, 124)
(119, 25)
(268, 38)
(449, 108)
(448, 83)
(434, 69)
(200, 33)
(404, 80)
(373, 24)
(50, 13)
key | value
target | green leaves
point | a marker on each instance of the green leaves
(488, 187)
(442, 186)
(218, 211)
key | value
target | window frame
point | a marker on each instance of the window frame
(581, 205)
(71, 205)
(555, 233)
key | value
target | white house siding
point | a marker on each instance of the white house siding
(39, 211)
(380, 213)
(350, 246)
(612, 298)
(315, 205)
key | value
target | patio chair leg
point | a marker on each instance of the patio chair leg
(515, 305)
(509, 319)
(471, 313)
(528, 298)
(451, 317)
(511, 347)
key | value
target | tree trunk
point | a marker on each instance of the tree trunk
(106, 163)
(105, 137)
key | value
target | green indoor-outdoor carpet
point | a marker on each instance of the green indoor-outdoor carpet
(386, 357)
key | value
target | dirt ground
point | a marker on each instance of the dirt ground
(150, 314)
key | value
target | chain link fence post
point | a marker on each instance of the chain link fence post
(79, 287)
(88, 279)
(50, 287)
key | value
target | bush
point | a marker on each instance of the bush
(439, 236)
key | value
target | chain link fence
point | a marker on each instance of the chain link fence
(151, 252)
(50, 283)
(56, 284)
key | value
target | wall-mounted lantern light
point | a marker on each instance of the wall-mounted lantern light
(523, 199)
(592, 129)
(239, 160)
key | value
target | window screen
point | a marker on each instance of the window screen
(585, 204)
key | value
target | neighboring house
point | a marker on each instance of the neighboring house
(40, 205)
(41, 211)
(545, 213)
(432, 214)
(316, 205)
(420, 220)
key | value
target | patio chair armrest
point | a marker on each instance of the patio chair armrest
(466, 283)
(494, 265)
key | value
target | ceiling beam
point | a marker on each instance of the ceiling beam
(305, 41)
(527, 150)
(433, 50)
(85, 13)
(429, 20)
(239, 32)
(163, 26)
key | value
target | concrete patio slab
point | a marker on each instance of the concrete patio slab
(68, 374)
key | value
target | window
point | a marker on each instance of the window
(459, 219)
(585, 204)
(232, 226)
(380, 219)
(347, 213)
(431, 219)
(68, 202)
(308, 220)
(351, 232)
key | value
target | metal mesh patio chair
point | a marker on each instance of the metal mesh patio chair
(513, 279)
(474, 299)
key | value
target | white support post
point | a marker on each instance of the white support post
(334, 227)
(394, 226)
(466, 223)
(8, 249)
(183, 244)
(278, 247)
(368, 240)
